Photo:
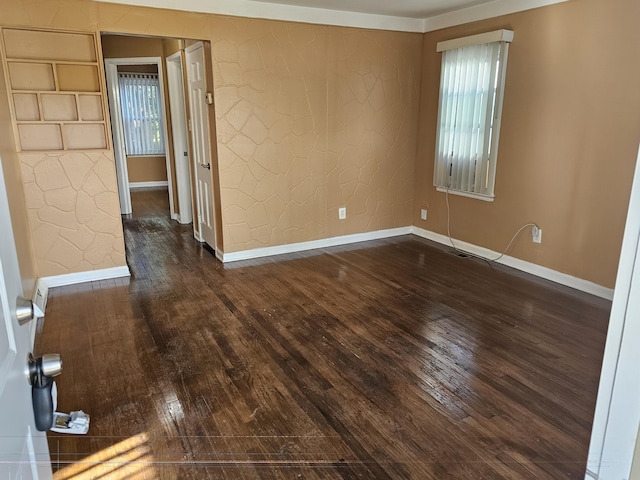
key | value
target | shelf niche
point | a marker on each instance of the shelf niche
(54, 78)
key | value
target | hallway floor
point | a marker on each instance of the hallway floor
(386, 359)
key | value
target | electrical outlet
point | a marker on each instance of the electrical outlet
(342, 213)
(536, 234)
(423, 214)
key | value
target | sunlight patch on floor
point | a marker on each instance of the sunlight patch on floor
(130, 459)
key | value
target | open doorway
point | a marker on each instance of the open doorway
(181, 168)
(140, 136)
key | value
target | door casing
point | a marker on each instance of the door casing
(117, 127)
(177, 110)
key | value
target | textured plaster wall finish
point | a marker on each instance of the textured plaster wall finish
(570, 130)
(311, 118)
(271, 110)
(373, 98)
(308, 117)
(73, 210)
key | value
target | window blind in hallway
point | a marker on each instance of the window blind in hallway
(141, 114)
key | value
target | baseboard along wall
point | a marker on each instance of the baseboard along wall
(143, 185)
(44, 283)
(522, 265)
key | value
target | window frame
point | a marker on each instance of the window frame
(491, 123)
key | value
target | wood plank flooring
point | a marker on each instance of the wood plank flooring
(391, 359)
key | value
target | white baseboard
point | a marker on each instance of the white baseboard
(313, 244)
(45, 283)
(141, 185)
(522, 265)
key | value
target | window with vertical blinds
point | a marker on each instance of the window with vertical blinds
(141, 114)
(469, 112)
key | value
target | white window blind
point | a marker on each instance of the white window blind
(140, 102)
(471, 91)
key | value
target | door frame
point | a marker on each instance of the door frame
(178, 112)
(614, 435)
(117, 127)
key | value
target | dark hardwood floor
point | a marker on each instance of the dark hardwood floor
(388, 359)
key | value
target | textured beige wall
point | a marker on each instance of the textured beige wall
(311, 118)
(73, 210)
(117, 46)
(308, 118)
(15, 193)
(570, 130)
(147, 169)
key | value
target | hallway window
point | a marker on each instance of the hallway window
(141, 114)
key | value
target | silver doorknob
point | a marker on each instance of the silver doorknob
(49, 365)
(24, 310)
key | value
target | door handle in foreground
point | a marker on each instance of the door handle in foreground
(41, 372)
(206, 165)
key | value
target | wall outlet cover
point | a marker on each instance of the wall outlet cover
(342, 213)
(423, 214)
(536, 234)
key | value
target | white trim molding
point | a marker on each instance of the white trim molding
(479, 39)
(45, 283)
(141, 185)
(522, 265)
(313, 244)
(342, 18)
(496, 8)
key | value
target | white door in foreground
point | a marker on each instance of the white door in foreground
(24, 453)
(617, 416)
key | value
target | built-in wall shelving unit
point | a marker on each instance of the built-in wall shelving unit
(54, 82)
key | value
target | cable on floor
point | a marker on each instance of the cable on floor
(486, 259)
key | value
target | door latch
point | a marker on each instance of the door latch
(40, 372)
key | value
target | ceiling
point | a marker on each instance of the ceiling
(398, 15)
(396, 8)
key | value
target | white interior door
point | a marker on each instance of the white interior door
(24, 453)
(199, 127)
(179, 128)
